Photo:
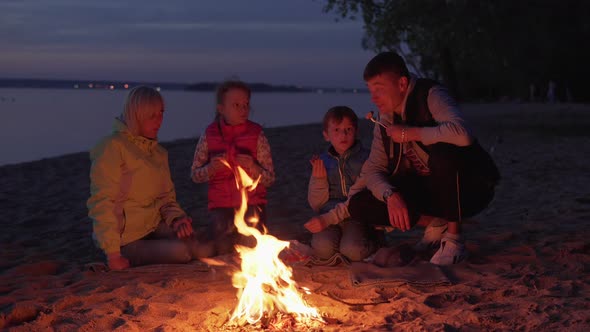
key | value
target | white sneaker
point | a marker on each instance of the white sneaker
(451, 252)
(432, 236)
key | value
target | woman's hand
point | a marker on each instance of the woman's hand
(183, 227)
(117, 262)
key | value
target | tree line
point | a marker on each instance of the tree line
(484, 50)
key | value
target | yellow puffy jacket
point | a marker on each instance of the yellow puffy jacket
(130, 189)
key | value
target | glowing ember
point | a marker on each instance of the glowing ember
(266, 290)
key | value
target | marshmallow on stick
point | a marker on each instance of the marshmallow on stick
(369, 116)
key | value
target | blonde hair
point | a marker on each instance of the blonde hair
(141, 103)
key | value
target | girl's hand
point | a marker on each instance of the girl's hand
(183, 227)
(318, 170)
(216, 164)
(245, 161)
(117, 262)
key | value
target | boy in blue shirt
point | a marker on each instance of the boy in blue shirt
(333, 174)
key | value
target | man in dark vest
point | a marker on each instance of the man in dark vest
(425, 165)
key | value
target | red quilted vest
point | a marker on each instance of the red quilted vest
(232, 140)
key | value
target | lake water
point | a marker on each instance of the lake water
(41, 123)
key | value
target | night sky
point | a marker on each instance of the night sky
(271, 41)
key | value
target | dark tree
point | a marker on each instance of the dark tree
(483, 50)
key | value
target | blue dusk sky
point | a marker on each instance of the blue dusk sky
(272, 41)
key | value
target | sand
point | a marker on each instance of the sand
(527, 270)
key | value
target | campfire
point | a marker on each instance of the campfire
(267, 293)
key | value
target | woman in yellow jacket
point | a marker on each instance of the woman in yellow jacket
(136, 219)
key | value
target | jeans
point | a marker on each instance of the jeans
(224, 235)
(352, 239)
(458, 187)
(162, 246)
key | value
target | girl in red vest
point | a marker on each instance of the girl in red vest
(241, 142)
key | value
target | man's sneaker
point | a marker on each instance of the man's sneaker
(451, 252)
(432, 235)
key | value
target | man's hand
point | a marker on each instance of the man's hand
(395, 132)
(183, 227)
(315, 225)
(398, 212)
(245, 161)
(318, 169)
(117, 262)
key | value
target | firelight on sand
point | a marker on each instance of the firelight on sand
(265, 287)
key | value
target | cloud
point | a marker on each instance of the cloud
(249, 26)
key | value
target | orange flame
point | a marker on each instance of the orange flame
(264, 282)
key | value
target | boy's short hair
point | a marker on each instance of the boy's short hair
(338, 113)
(386, 62)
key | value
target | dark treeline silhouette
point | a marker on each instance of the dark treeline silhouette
(484, 50)
(82, 84)
(256, 87)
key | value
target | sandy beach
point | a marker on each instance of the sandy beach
(528, 267)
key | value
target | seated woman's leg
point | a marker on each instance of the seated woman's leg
(162, 246)
(358, 240)
(164, 251)
(198, 247)
(327, 242)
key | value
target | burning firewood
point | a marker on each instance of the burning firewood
(267, 293)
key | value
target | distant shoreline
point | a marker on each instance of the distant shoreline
(17, 83)
(165, 143)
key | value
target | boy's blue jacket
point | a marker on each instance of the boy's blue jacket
(324, 193)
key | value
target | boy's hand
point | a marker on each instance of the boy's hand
(117, 262)
(183, 227)
(398, 212)
(315, 225)
(318, 170)
(245, 161)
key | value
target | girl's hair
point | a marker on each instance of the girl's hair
(225, 87)
(141, 103)
(338, 113)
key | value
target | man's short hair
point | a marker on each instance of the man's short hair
(386, 62)
(338, 113)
